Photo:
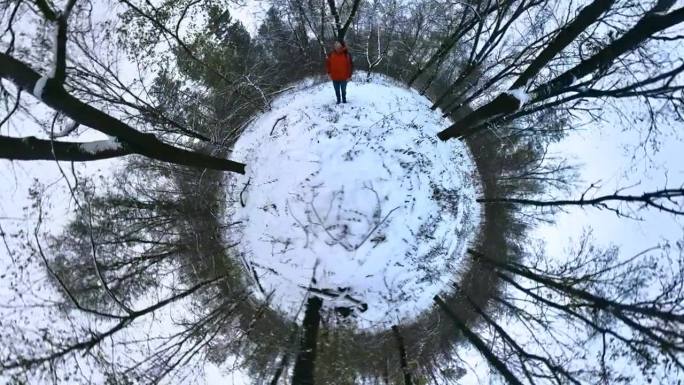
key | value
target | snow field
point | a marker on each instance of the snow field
(357, 203)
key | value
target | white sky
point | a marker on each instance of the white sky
(603, 158)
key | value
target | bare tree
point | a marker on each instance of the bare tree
(56, 89)
(342, 28)
(595, 304)
(107, 267)
(554, 92)
(479, 344)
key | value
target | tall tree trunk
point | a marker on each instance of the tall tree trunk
(587, 16)
(385, 373)
(281, 368)
(341, 30)
(654, 21)
(479, 344)
(54, 95)
(402, 356)
(306, 358)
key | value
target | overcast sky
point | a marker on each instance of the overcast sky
(605, 153)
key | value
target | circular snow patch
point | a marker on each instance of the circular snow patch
(358, 203)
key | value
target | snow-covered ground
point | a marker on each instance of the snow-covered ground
(359, 203)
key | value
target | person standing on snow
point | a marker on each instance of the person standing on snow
(340, 66)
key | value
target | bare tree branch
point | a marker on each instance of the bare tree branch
(656, 199)
(55, 96)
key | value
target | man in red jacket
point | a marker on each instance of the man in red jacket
(340, 66)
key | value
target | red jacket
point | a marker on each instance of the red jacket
(339, 65)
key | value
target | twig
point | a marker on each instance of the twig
(276, 123)
(66, 131)
(256, 279)
(59, 280)
(337, 241)
(376, 227)
(3, 235)
(242, 202)
(301, 225)
(13, 110)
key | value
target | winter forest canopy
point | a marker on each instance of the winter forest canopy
(499, 202)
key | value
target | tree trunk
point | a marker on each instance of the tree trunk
(479, 344)
(654, 21)
(341, 30)
(402, 356)
(306, 359)
(55, 96)
(281, 369)
(32, 148)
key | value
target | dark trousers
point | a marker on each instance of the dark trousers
(340, 87)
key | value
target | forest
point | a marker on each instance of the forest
(497, 200)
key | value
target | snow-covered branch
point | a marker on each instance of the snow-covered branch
(32, 148)
(55, 96)
(511, 101)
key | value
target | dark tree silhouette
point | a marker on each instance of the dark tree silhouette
(667, 200)
(600, 297)
(478, 343)
(506, 106)
(305, 364)
(342, 28)
(403, 361)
